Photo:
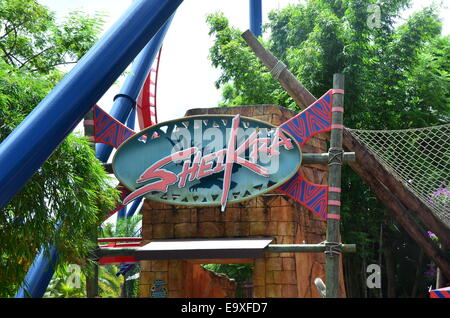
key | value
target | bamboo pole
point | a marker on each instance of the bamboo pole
(396, 189)
(334, 186)
(324, 157)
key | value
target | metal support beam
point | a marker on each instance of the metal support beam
(256, 16)
(33, 141)
(125, 101)
(42, 269)
(39, 275)
(133, 208)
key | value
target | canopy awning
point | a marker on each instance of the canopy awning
(203, 248)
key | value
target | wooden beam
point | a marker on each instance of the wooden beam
(296, 90)
(115, 251)
(306, 248)
(324, 157)
(304, 98)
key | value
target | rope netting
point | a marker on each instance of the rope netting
(419, 158)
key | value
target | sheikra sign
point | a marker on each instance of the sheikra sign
(212, 160)
(206, 160)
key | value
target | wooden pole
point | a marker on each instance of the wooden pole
(296, 90)
(396, 189)
(91, 281)
(334, 189)
(324, 157)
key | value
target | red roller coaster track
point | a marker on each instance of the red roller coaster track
(146, 102)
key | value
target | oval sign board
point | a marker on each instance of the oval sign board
(206, 160)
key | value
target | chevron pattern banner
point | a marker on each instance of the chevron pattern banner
(108, 130)
(312, 121)
(310, 195)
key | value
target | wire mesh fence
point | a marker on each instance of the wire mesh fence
(419, 158)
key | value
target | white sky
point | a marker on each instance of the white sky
(186, 77)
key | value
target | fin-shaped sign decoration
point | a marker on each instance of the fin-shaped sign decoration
(206, 160)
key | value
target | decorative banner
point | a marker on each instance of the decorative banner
(108, 130)
(206, 160)
(440, 293)
(313, 120)
(312, 196)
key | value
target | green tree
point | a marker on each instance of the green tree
(71, 192)
(397, 76)
(32, 40)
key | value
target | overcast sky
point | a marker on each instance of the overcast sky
(186, 78)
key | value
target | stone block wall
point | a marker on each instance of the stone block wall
(272, 214)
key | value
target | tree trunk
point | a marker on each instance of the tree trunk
(390, 271)
(364, 277)
(380, 255)
(419, 272)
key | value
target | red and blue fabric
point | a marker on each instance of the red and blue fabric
(312, 121)
(440, 293)
(108, 130)
(310, 195)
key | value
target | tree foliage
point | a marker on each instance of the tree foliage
(70, 193)
(31, 39)
(389, 70)
(396, 74)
